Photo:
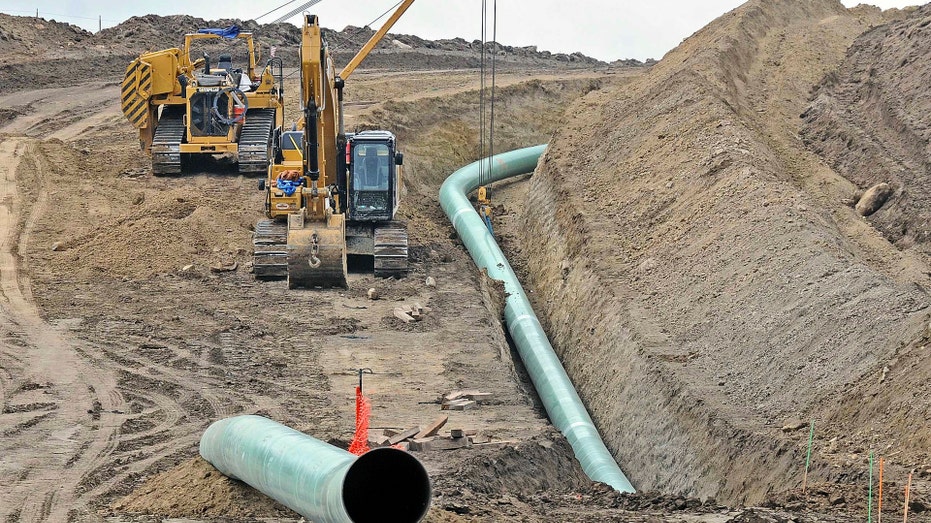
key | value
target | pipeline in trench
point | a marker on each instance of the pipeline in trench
(559, 397)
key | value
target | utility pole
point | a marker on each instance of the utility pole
(99, 23)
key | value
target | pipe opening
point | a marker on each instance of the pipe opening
(386, 484)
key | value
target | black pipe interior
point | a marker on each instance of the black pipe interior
(386, 484)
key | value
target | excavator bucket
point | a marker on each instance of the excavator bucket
(316, 253)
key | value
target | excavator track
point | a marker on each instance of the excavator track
(166, 144)
(270, 250)
(391, 250)
(255, 140)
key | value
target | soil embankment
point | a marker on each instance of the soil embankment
(727, 289)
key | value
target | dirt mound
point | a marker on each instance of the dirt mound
(134, 245)
(196, 489)
(24, 36)
(871, 120)
(728, 289)
(42, 50)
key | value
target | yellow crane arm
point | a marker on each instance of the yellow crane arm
(373, 41)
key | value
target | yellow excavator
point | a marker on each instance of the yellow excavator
(184, 107)
(330, 194)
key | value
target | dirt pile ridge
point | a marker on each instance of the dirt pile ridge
(40, 52)
(25, 36)
(871, 121)
(729, 290)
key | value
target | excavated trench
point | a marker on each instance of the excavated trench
(693, 267)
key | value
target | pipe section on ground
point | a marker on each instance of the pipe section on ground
(317, 480)
(562, 402)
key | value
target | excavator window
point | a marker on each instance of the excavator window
(371, 168)
(291, 140)
(370, 187)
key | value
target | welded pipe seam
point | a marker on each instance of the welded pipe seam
(560, 399)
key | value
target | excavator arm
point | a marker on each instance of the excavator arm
(310, 248)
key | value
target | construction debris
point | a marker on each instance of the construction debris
(460, 396)
(409, 313)
(401, 436)
(439, 443)
(432, 428)
(460, 404)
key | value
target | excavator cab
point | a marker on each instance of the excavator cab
(373, 182)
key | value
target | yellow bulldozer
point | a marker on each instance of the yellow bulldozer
(330, 194)
(184, 107)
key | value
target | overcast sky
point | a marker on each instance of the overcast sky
(604, 29)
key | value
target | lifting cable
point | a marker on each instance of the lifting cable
(487, 125)
(370, 24)
(481, 100)
(494, 60)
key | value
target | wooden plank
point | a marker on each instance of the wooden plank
(401, 436)
(400, 314)
(458, 394)
(378, 441)
(433, 428)
(481, 396)
(420, 444)
(449, 444)
(461, 404)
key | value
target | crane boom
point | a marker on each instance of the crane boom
(373, 41)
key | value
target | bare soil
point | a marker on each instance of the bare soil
(728, 290)
(700, 271)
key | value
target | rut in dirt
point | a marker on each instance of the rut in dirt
(77, 421)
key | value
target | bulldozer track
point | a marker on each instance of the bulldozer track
(270, 250)
(391, 250)
(255, 140)
(166, 153)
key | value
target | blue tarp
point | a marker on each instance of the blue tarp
(288, 187)
(230, 32)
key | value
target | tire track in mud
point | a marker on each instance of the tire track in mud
(67, 457)
(48, 366)
(63, 113)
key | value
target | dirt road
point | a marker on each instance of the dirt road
(57, 419)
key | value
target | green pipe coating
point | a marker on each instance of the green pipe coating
(315, 479)
(562, 403)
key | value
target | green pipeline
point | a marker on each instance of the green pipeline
(321, 482)
(562, 402)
